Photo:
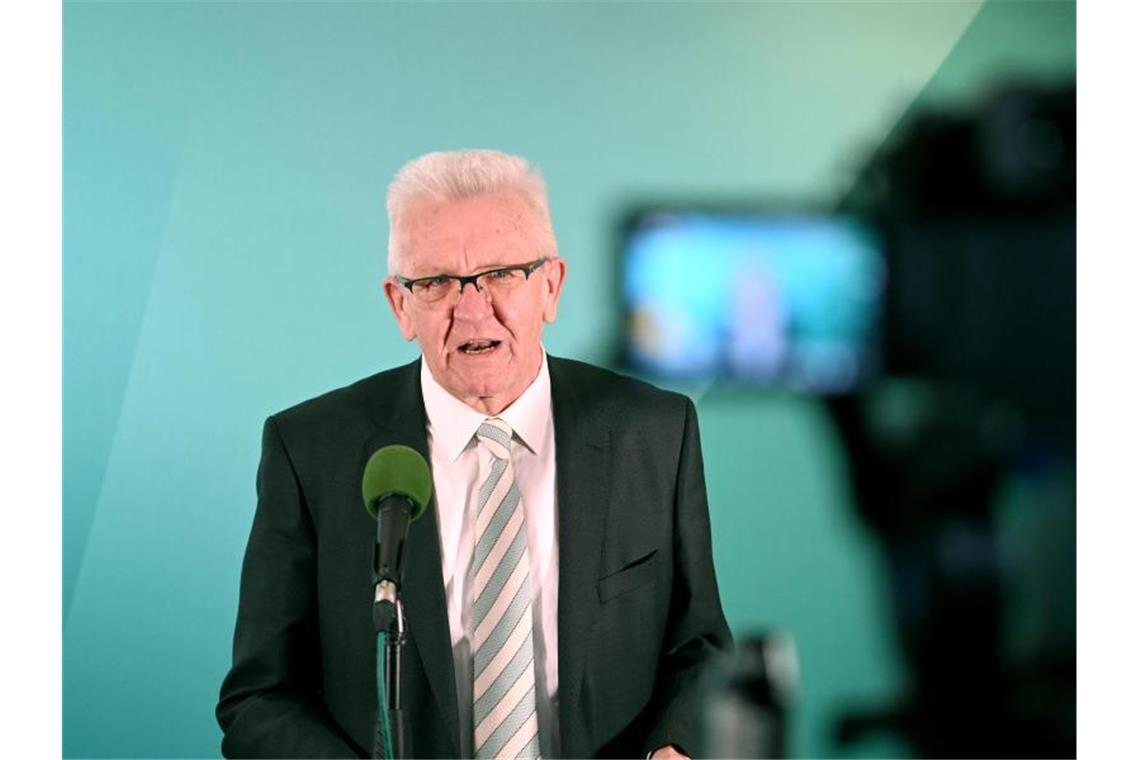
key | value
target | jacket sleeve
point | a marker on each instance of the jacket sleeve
(270, 703)
(696, 632)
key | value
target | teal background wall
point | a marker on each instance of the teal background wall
(224, 241)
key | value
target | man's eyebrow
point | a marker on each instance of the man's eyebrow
(492, 268)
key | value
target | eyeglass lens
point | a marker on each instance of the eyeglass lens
(497, 282)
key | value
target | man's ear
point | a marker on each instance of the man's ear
(554, 274)
(398, 299)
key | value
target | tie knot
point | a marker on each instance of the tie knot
(496, 435)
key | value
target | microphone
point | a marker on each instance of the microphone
(396, 487)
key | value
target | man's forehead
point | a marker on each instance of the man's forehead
(437, 231)
(505, 206)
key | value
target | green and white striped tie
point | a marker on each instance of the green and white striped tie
(504, 717)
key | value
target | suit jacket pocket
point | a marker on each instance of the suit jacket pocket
(637, 573)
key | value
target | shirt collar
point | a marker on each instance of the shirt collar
(453, 424)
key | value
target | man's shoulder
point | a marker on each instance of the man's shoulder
(362, 398)
(610, 390)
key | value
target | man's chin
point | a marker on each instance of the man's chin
(471, 387)
(482, 383)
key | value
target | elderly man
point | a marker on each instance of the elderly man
(559, 591)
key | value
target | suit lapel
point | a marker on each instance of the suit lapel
(583, 474)
(402, 419)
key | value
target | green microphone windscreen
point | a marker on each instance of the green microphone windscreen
(396, 470)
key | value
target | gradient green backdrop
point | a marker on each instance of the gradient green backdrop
(224, 239)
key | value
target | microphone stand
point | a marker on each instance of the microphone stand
(388, 620)
(393, 655)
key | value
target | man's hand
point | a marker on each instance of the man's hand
(668, 752)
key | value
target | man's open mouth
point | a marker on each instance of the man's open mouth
(479, 347)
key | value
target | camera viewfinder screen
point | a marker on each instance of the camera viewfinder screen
(787, 300)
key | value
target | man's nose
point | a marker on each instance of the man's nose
(473, 303)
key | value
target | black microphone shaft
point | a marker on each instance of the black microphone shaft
(393, 515)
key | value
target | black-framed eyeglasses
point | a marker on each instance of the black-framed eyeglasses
(499, 283)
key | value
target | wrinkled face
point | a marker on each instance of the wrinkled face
(482, 351)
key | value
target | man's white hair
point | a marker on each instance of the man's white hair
(455, 175)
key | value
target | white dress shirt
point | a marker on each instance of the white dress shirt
(458, 466)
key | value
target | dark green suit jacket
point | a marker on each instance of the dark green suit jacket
(638, 612)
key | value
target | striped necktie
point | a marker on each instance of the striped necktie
(503, 709)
